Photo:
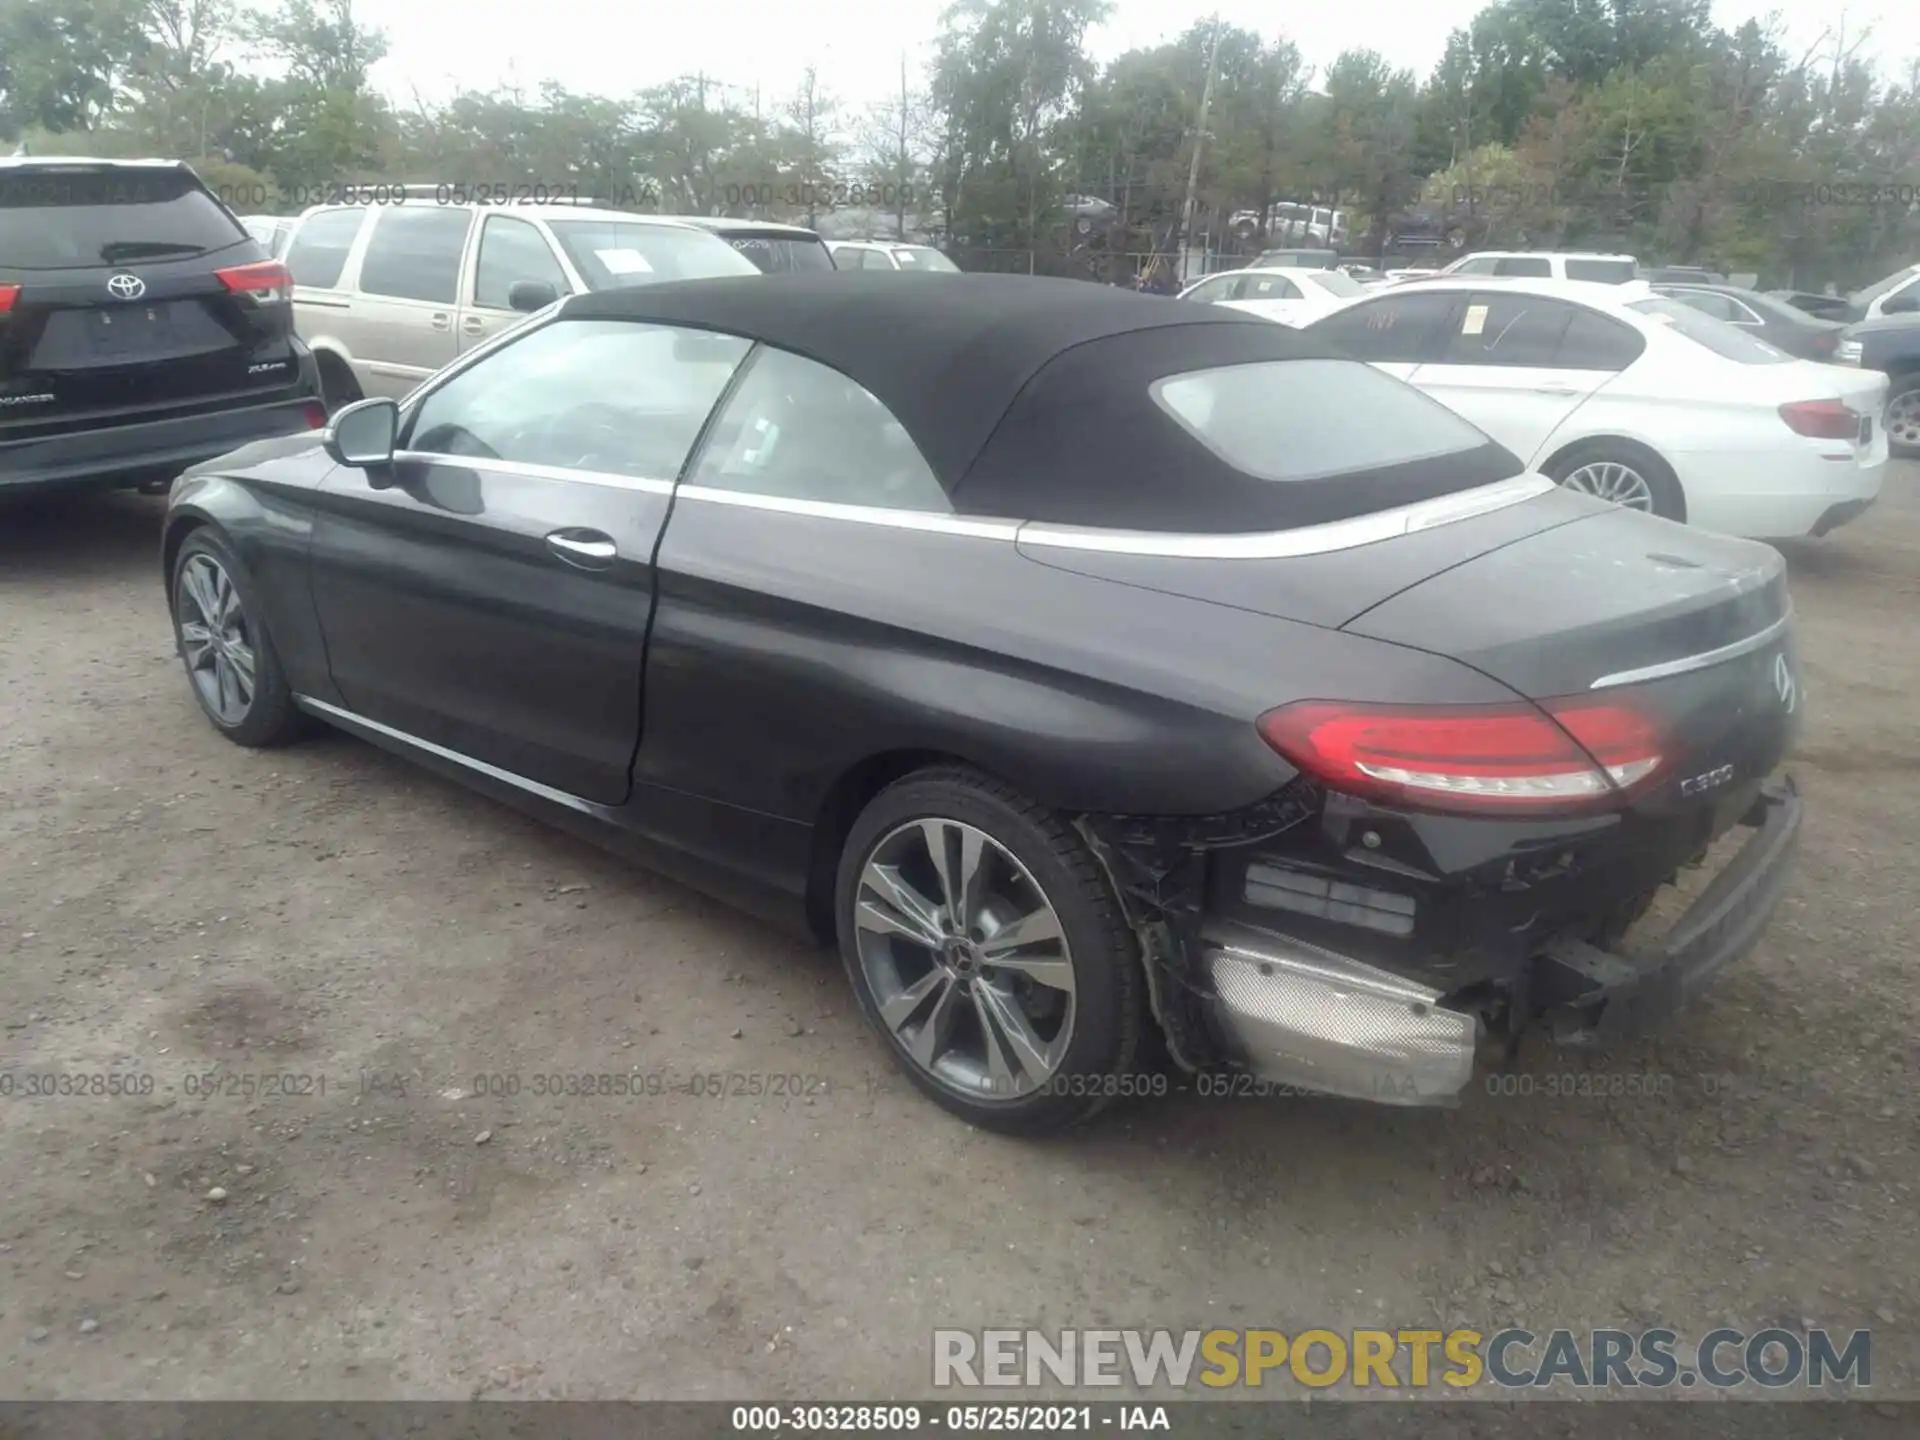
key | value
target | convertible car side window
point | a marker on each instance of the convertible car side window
(614, 396)
(797, 430)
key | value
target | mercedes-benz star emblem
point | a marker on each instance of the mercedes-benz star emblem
(126, 287)
(1783, 684)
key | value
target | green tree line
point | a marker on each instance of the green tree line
(1636, 124)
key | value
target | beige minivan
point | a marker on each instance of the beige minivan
(385, 295)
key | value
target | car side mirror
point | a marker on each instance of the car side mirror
(1901, 305)
(527, 296)
(363, 434)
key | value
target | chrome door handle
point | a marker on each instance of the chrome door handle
(443, 322)
(473, 324)
(588, 549)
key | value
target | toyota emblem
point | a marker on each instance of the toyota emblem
(126, 287)
(1783, 683)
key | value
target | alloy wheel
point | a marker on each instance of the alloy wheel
(1611, 480)
(966, 959)
(216, 639)
(1903, 418)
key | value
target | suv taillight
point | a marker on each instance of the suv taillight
(1821, 419)
(8, 294)
(1477, 759)
(267, 282)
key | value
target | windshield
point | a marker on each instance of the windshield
(1604, 272)
(782, 254)
(66, 219)
(1726, 341)
(924, 257)
(1880, 287)
(614, 254)
(1232, 411)
(1337, 282)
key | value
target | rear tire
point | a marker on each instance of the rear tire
(232, 666)
(1624, 474)
(1018, 1033)
(1903, 417)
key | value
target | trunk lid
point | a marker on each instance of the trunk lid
(1690, 628)
(1333, 588)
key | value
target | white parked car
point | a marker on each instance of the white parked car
(1635, 398)
(890, 255)
(1549, 265)
(1291, 296)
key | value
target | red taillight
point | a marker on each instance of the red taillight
(8, 294)
(1824, 343)
(268, 281)
(1478, 758)
(1821, 419)
(315, 415)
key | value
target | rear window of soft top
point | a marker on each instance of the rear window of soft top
(1293, 420)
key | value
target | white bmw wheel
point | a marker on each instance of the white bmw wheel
(1613, 481)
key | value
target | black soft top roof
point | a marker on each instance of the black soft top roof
(946, 354)
(1029, 396)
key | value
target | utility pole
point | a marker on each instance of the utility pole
(903, 172)
(1199, 140)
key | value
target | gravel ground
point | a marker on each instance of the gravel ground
(358, 943)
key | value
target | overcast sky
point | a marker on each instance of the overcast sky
(616, 47)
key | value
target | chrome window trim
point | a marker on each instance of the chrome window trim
(1324, 539)
(1686, 664)
(494, 772)
(608, 478)
(927, 520)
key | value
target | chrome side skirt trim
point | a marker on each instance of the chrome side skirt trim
(480, 767)
(1309, 540)
(1689, 663)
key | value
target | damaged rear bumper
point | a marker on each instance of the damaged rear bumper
(1301, 1014)
(1599, 996)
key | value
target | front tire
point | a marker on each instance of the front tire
(988, 951)
(232, 666)
(1622, 474)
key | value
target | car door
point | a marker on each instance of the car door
(1393, 332)
(406, 294)
(489, 592)
(506, 250)
(804, 479)
(1500, 368)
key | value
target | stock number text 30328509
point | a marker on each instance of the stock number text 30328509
(252, 196)
(816, 194)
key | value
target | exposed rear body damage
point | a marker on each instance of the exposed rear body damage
(1348, 943)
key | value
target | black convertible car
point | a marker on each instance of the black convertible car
(1079, 663)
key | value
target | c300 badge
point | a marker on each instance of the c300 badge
(1712, 780)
